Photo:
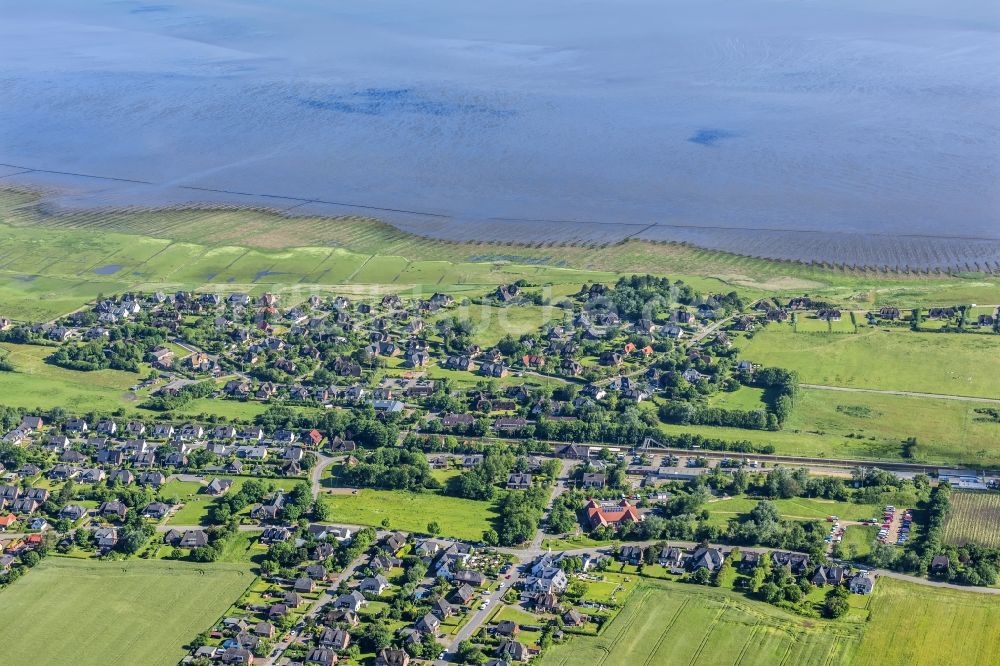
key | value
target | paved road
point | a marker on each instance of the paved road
(908, 394)
(324, 597)
(184, 528)
(480, 616)
(315, 477)
(560, 486)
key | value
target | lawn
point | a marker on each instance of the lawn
(673, 623)
(974, 518)
(913, 625)
(859, 536)
(796, 508)
(86, 613)
(893, 359)
(460, 518)
(745, 398)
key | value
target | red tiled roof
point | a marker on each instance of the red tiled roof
(600, 516)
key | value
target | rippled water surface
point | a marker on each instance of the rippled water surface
(819, 129)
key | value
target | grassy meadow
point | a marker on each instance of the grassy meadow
(861, 537)
(460, 518)
(196, 503)
(898, 360)
(36, 383)
(796, 508)
(135, 612)
(669, 623)
(835, 424)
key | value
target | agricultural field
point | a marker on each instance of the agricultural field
(669, 623)
(974, 518)
(796, 508)
(134, 612)
(896, 359)
(460, 518)
(914, 625)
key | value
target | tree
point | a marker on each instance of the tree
(701, 576)
(470, 653)
(376, 636)
(836, 604)
(321, 511)
(491, 538)
(433, 528)
(771, 593)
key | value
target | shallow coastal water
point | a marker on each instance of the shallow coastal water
(820, 130)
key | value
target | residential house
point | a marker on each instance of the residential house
(862, 583)
(392, 657)
(518, 481)
(352, 601)
(113, 510)
(511, 649)
(217, 486)
(797, 563)
(334, 639)
(611, 514)
(705, 558)
(321, 657)
(374, 585)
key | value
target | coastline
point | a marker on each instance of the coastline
(61, 196)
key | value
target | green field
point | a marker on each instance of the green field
(896, 359)
(836, 424)
(490, 323)
(39, 384)
(745, 398)
(796, 508)
(900, 624)
(57, 255)
(69, 612)
(974, 518)
(947, 430)
(195, 503)
(913, 625)
(461, 518)
(861, 537)
(669, 623)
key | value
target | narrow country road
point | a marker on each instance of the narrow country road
(316, 475)
(314, 610)
(908, 394)
(185, 528)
